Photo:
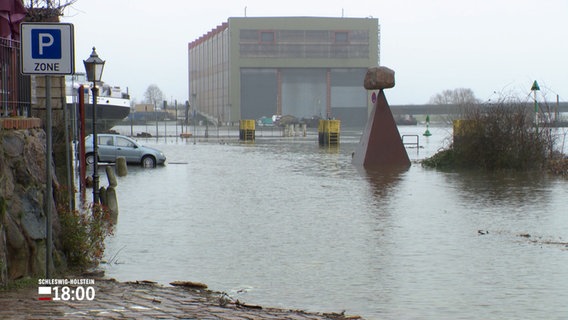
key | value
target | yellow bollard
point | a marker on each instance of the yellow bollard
(328, 132)
(247, 130)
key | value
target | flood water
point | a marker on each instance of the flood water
(283, 222)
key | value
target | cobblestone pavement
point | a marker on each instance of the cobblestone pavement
(143, 300)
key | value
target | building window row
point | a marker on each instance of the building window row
(250, 36)
(298, 44)
(299, 51)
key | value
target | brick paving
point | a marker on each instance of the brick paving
(143, 300)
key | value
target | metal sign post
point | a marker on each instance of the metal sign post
(47, 49)
(48, 180)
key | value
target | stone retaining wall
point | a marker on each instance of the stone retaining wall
(22, 194)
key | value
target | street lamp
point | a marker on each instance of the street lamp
(94, 67)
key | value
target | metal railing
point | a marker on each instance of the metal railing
(415, 143)
(15, 88)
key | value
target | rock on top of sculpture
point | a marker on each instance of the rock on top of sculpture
(379, 78)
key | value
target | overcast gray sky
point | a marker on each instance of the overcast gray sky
(494, 47)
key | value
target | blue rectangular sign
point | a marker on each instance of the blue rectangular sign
(47, 48)
(46, 43)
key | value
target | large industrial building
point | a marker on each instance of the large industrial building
(249, 68)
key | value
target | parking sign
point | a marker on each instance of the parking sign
(47, 48)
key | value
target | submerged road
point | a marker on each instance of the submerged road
(145, 300)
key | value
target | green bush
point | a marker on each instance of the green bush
(494, 137)
(83, 235)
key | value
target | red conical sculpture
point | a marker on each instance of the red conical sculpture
(381, 144)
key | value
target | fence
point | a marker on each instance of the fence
(15, 88)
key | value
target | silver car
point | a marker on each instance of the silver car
(112, 146)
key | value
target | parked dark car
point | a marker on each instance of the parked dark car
(112, 146)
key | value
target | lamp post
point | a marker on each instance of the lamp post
(94, 67)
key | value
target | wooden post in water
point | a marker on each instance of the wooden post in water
(121, 167)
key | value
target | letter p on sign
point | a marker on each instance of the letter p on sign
(46, 44)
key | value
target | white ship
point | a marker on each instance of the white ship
(113, 105)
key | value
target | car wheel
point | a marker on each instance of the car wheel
(148, 162)
(90, 158)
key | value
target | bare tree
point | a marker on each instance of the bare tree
(458, 97)
(54, 4)
(46, 10)
(153, 95)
